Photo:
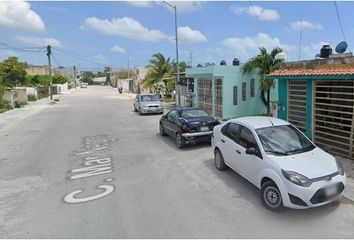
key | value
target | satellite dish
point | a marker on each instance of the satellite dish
(342, 47)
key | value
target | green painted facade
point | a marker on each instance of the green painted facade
(231, 76)
(283, 96)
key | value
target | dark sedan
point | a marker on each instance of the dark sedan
(188, 125)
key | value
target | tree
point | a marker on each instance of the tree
(12, 72)
(160, 68)
(59, 79)
(265, 63)
(87, 77)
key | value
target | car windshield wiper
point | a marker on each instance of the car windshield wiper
(300, 149)
(276, 152)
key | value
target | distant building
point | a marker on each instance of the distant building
(317, 96)
(37, 70)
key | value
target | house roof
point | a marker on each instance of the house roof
(316, 71)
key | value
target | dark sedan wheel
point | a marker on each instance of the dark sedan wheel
(162, 130)
(271, 196)
(179, 141)
(219, 160)
(135, 109)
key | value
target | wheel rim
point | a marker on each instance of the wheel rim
(217, 159)
(161, 129)
(272, 197)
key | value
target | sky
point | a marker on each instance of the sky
(92, 35)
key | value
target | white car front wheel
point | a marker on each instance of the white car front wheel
(271, 196)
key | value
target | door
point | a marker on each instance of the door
(170, 123)
(250, 164)
(205, 95)
(333, 116)
(297, 103)
(231, 150)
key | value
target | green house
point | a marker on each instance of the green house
(317, 96)
(225, 92)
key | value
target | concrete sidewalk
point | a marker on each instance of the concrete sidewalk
(16, 115)
(348, 166)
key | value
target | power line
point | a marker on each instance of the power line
(339, 20)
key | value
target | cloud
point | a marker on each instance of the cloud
(117, 49)
(296, 26)
(139, 3)
(18, 14)
(262, 14)
(124, 27)
(248, 47)
(38, 41)
(186, 34)
(100, 59)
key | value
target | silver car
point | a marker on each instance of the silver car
(148, 103)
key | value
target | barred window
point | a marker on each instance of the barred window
(235, 95)
(252, 87)
(243, 91)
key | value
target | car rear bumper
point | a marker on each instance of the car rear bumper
(197, 134)
(315, 195)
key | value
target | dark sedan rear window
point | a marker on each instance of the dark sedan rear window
(194, 113)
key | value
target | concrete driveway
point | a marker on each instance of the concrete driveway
(90, 167)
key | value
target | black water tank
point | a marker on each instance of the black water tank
(236, 62)
(326, 50)
(223, 63)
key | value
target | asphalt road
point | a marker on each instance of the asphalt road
(149, 188)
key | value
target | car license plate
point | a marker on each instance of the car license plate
(331, 191)
(203, 129)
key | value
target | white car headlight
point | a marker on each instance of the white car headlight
(297, 178)
(145, 106)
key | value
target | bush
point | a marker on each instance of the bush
(32, 98)
(19, 104)
(5, 104)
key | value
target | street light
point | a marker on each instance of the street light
(177, 62)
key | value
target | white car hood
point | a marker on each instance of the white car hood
(311, 164)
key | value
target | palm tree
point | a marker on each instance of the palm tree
(265, 63)
(160, 68)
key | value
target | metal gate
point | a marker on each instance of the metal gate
(333, 116)
(297, 103)
(218, 98)
(205, 96)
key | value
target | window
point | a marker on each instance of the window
(173, 115)
(235, 95)
(243, 91)
(252, 87)
(233, 132)
(247, 139)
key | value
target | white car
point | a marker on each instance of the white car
(276, 157)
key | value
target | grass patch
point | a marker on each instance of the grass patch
(32, 98)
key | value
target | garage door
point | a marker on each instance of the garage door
(297, 103)
(205, 95)
(333, 116)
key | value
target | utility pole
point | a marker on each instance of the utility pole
(191, 59)
(49, 52)
(75, 76)
(177, 62)
(300, 43)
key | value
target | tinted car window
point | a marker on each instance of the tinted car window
(247, 139)
(172, 115)
(232, 132)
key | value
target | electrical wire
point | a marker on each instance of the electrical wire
(340, 23)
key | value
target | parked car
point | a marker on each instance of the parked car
(288, 168)
(83, 85)
(188, 125)
(148, 103)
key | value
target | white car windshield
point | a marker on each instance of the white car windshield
(149, 98)
(191, 113)
(283, 140)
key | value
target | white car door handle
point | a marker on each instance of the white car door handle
(238, 151)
